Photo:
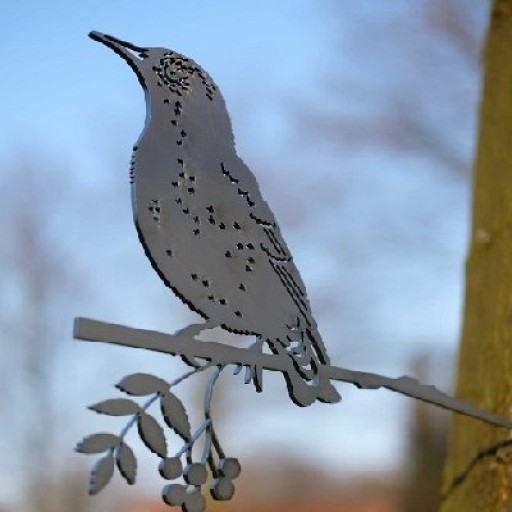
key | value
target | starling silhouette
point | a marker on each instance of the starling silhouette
(204, 225)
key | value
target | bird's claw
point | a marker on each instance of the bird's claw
(253, 372)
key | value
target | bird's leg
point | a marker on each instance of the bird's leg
(254, 372)
(193, 330)
(190, 332)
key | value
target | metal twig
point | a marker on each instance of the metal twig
(220, 354)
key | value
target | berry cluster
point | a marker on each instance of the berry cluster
(222, 487)
(195, 475)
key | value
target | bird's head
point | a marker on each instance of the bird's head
(162, 72)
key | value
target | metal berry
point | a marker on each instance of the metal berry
(222, 489)
(170, 468)
(195, 474)
(174, 494)
(194, 502)
(229, 467)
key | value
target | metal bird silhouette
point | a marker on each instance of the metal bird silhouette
(205, 226)
(214, 241)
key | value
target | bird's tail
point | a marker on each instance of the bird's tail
(308, 381)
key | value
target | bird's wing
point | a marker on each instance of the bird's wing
(274, 246)
(271, 239)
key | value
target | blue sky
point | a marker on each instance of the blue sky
(55, 66)
(73, 103)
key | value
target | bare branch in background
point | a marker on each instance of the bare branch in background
(32, 293)
(424, 96)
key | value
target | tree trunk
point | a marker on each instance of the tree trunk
(478, 469)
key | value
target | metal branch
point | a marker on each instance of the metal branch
(221, 354)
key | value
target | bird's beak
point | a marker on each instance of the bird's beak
(132, 54)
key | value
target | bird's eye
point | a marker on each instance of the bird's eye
(169, 74)
(175, 77)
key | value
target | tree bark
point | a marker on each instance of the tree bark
(478, 469)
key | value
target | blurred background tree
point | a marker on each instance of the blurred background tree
(32, 292)
(426, 452)
(477, 475)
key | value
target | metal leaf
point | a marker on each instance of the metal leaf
(97, 443)
(175, 415)
(141, 384)
(152, 434)
(101, 474)
(127, 463)
(116, 407)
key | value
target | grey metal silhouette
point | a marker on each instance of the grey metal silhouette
(214, 241)
(204, 225)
